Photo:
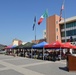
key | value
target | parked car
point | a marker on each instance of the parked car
(2, 51)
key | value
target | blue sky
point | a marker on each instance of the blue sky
(16, 17)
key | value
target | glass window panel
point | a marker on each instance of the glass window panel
(62, 34)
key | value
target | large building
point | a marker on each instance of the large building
(69, 28)
(62, 30)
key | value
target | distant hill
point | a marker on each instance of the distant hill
(2, 46)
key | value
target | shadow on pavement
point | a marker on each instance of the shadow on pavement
(64, 68)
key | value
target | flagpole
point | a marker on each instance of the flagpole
(34, 28)
(35, 33)
(65, 22)
(65, 25)
(48, 22)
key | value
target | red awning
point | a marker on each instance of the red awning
(56, 44)
(69, 45)
(8, 47)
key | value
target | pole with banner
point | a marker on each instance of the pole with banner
(34, 27)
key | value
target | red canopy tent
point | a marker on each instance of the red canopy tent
(56, 44)
(8, 47)
(74, 47)
(69, 45)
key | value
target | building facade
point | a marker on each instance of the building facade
(53, 29)
(16, 42)
(68, 29)
(62, 31)
(38, 41)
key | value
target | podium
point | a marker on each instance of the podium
(71, 63)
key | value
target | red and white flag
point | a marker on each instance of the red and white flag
(62, 8)
(45, 15)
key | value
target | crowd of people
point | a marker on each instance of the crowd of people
(51, 55)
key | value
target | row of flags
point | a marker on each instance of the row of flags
(45, 15)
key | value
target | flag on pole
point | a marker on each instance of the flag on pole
(45, 15)
(34, 22)
(62, 8)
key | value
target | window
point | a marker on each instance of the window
(71, 32)
(72, 24)
(62, 26)
(57, 29)
(68, 25)
(62, 34)
(56, 22)
(57, 36)
(63, 40)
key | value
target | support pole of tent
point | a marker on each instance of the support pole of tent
(43, 53)
(60, 53)
(31, 52)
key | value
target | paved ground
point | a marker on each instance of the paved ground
(10, 65)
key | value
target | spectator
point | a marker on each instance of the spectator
(66, 55)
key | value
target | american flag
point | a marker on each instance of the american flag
(62, 8)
